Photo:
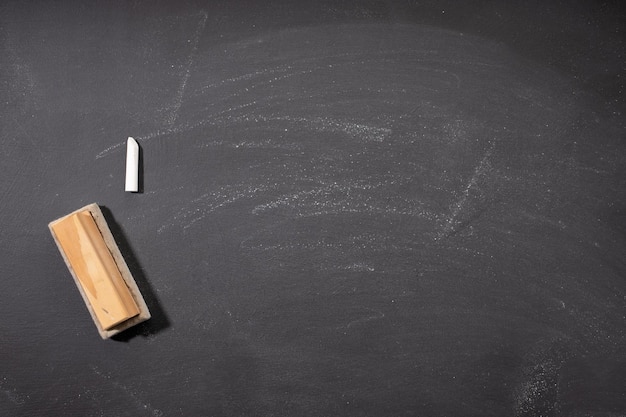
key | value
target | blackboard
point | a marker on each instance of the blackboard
(347, 208)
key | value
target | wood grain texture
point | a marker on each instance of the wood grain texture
(91, 261)
(99, 270)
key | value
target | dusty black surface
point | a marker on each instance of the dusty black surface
(348, 208)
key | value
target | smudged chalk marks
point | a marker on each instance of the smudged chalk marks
(452, 222)
(208, 203)
(360, 131)
(537, 392)
(340, 131)
(131, 395)
(352, 129)
(175, 106)
(345, 197)
(369, 315)
(12, 394)
(178, 99)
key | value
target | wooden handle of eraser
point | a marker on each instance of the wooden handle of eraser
(89, 257)
(99, 270)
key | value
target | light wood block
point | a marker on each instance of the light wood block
(99, 270)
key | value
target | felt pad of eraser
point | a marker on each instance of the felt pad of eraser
(99, 270)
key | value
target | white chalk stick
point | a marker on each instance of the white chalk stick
(132, 165)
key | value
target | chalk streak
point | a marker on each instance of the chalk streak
(131, 395)
(373, 315)
(334, 198)
(324, 124)
(178, 100)
(355, 130)
(245, 77)
(12, 394)
(460, 205)
(211, 119)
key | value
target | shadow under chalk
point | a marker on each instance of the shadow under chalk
(159, 320)
(140, 172)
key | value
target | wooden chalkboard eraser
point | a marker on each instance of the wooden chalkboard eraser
(99, 270)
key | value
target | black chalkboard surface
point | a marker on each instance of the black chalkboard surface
(348, 208)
